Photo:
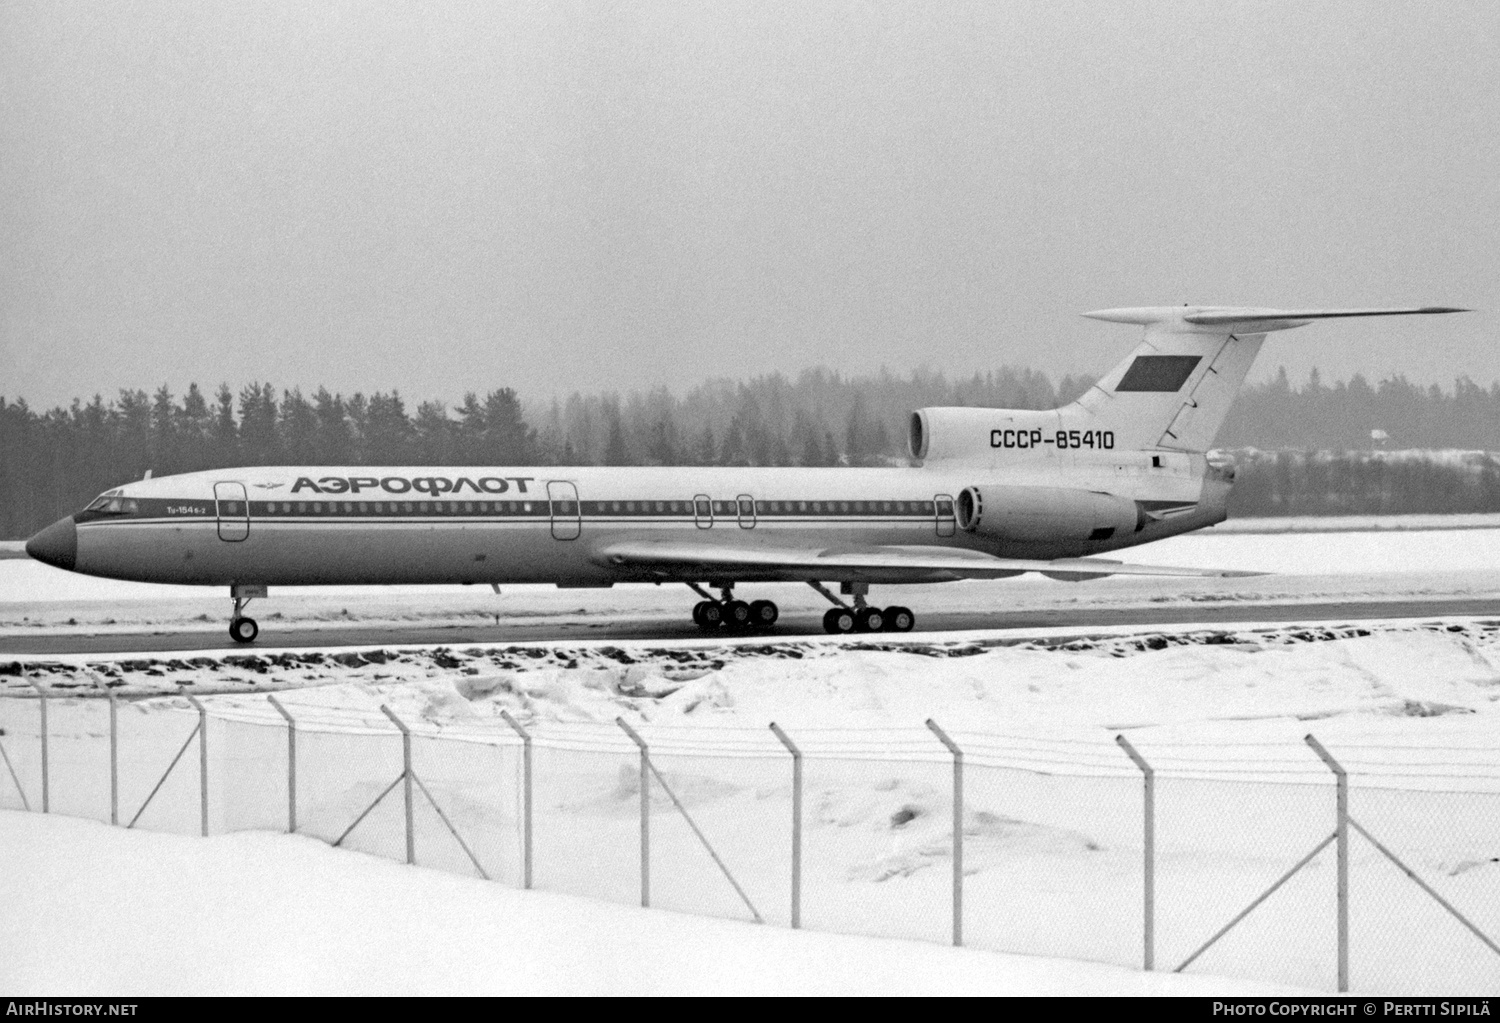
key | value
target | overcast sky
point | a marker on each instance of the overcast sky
(592, 195)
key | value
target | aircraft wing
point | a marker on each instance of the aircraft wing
(13, 549)
(680, 558)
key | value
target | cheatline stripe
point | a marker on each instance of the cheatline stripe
(518, 522)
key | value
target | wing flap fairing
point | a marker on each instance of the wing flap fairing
(797, 563)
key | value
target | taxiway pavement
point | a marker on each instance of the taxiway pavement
(276, 637)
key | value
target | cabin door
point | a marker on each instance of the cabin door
(233, 510)
(566, 520)
(943, 507)
(703, 512)
(746, 508)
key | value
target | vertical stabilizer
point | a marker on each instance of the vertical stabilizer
(1175, 389)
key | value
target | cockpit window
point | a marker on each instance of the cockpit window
(113, 504)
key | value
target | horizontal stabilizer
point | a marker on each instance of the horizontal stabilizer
(1243, 319)
(679, 559)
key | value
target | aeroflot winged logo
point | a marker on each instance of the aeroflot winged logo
(421, 484)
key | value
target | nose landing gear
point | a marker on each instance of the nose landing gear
(242, 628)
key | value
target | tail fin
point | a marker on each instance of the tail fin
(1176, 387)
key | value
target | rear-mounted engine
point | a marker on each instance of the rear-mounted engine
(1044, 514)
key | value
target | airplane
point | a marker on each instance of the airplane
(992, 493)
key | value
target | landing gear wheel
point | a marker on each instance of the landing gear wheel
(243, 630)
(763, 614)
(708, 615)
(838, 620)
(899, 619)
(869, 619)
(737, 615)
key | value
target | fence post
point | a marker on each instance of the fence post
(202, 762)
(1342, 835)
(525, 795)
(796, 823)
(1150, 845)
(114, 751)
(958, 830)
(645, 811)
(411, 837)
(291, 764)
(46, 787)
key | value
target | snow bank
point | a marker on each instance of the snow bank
(100, 911)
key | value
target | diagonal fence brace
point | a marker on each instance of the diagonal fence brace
(25, 803)
(399, 779)
(451, 829)
(1425, 886)
(165, 774)
(646, 762)
(1283, 879)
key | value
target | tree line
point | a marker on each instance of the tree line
(1364, 483)
(52, 462)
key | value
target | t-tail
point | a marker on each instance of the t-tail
(1171, 394)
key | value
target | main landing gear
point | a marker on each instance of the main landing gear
(736, 615)
(242, 628)
(710, 615)
(841, 618)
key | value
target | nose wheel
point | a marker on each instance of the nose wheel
(243, 630)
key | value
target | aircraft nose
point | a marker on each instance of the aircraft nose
(57, 545)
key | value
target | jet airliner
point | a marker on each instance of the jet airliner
(992, 493)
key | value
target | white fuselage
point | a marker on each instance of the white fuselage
(332, 525)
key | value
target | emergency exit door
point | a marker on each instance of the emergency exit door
(942, 505)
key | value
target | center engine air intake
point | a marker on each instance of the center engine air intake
(1045, 514)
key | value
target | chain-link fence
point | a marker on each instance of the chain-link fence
(1371, 868)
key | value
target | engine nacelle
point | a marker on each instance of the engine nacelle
(935, 434)
(1042, 514)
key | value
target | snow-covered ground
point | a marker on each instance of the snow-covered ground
(1052, 819)
(1053, 811)
(267, 914)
